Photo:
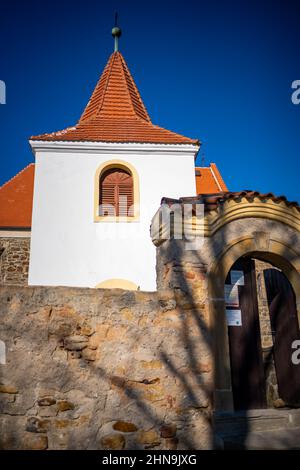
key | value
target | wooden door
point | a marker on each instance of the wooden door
(285, 330)
(247, 372)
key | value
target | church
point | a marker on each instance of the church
(114, 334)
(86, 204)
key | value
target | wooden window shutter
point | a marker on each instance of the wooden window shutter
(116, 193)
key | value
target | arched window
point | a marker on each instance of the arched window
(116, 193)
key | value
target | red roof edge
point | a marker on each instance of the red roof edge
(16, 199)
(209, 180)
(16, 175)
(218, 177)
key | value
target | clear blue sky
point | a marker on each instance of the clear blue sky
(220, 71)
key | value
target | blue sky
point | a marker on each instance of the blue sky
(220, 71)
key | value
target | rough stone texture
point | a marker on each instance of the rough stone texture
(103, 369)
(193, 272)
(14, 261)
(114, 369)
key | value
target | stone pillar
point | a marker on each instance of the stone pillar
(183, 272)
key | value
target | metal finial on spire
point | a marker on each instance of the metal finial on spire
(116, 32)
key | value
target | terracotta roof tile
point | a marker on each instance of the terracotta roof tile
(213, 201)
(116, 113)
(209, 180)
(115, 94)
(16, 198)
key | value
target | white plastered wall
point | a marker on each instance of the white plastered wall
(67, 247)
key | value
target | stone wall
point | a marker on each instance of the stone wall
(104, 369)
(14, 260)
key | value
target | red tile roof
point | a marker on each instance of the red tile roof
(209, 180)
(213, 201)
(16, 198)
(116, 113)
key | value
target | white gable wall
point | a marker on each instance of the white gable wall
(67, 247)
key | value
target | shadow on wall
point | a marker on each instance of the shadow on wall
(188, 274)
(96, 369)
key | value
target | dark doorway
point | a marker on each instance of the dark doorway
(254, 314)
(285, 330)
(247, 371)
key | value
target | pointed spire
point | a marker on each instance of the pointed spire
(116, 94)
(116, 32)
(116, 112)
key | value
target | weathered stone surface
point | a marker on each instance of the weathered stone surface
(170, 444)
(8, 389)
(46, 401)
(97, 369)
(89, 354)
(63, 321)
(37, 425)
(65, 405)
(34, 442)
(118, 382)
(75, 342)
(124, 426)
(150, 437)
(86, 330)
(127, 314)
(47, 411)
(168, 430)
(125, 357)
(113, 442)
(155, 364)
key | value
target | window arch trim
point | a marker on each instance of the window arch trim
(108, 165)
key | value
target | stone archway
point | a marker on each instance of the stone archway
(234, 225)
(259, 245)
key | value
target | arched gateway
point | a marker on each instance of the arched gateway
(244, 282)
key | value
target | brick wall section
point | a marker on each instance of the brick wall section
(104, 369)
(14, 261)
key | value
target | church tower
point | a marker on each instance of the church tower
(98, 184)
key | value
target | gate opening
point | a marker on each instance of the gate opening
(262, 327)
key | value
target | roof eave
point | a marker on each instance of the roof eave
(95, 146)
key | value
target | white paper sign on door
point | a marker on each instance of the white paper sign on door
(237, 277)
(231, 294)
(233, 317)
